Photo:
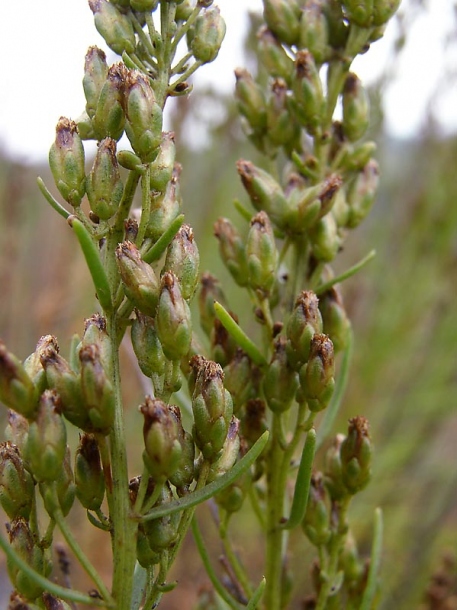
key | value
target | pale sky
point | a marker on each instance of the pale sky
(44, 42)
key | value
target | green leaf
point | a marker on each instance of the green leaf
(213, 488)
(164, 240)
(91, 254)
(375, 562)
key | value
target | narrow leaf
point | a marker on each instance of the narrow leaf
(139, 586)
(50, 199)
(94, 263)
(346, 274)
(212, 488)
(301, 492)
(164, 240)
(375, 562)
(257, 595)
(239, 335)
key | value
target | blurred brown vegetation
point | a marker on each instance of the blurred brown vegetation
(403, 308)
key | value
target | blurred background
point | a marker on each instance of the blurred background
(402, 306)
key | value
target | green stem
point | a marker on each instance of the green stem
(275, 509)
(346, 274)
(145, 204)
(76, 549)
(376, 549)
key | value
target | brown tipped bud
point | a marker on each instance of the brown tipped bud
(283, 130)
(316, 523)
(232, 250)
(163, 164)
(140, 282)
(97, 389)
(333, 474)
(356, 108)
(109, 118)
(17, 429)
(273, 56)
(16, 483)
(47, 439)
(33, 365)
(17, 390)
(325, 239)
(283, 19)
(95, 332)
(250, 100)
(163, 451)
(144, 116)
(361, 193)
(265, 193)
(95, 73)
(173, 321)
(89, 479)
(229, 454)
(336, 322)
(356, 452)
(115, 27)
(104, 184)
(316, 377)
(280, 382)
(207, 36)
(212, 407)
(305, 321)
(183, 260)
(53, 603)
(66, 160)
(26, 545)
(309, 96)
(147, 346)
(210, 291)
(238, 379)
(314, 31)
(165, 207)
(262, 254)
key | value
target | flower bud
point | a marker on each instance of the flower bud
(282, 127)
(53, 603)
(265, 193)
(47, 439)
(109, 118)
(146, 557)
(357, 157)
(97, 389)
(17, 429)
(85, 127)
(212, 407)
(183, 260)
(316, 523)
(280, 382)
(95, 73)
(304, 204)
(208, 34)
(67, 384)
(309, 97)
(333, 474)
(334, 317)
(104, 184)
(89, 479)
(163, 533)
(314, 31)
(304, 322)
(210, 291)
(163, 450)
(147, 346)
(95, 332)
(250, 100)
(64, 487)
(350, 563)
(16, 483)
(283, 19)
(26, 545)
(66, 159)
(185, 472)
(229, 454)
(163, 164)
(165, 207)
(338, 30)
(129, 160)
(359, 12)
(17, 391)
(356, 108)
(143, 115)
(232, 497)
(316, 377)
(115, 27)
(33, 366)
(340, 209)
(17, 602)
(184, 10)
(262, 254)
(361, 193)
(173, 321)
(324, 238)
(383, 10)
(356, 451)
(140, 282)
(273, 56)
(144, 5)
(238, 379)
(232, 250)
